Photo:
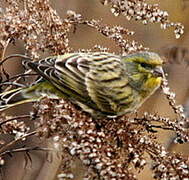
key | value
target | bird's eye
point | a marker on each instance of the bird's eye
(143, 65)
(146, 66)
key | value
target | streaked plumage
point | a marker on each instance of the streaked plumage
(100, 83)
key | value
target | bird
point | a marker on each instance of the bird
(101, 83)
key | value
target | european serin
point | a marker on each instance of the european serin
(100, 83)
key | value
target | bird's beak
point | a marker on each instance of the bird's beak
(158, 71)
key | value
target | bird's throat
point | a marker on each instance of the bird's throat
(145, 85)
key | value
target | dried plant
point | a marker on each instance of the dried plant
(111, 148)
(107, 148)
(141, 11)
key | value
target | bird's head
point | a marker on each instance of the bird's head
(144, 70)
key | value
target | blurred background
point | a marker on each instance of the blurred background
(152, 36)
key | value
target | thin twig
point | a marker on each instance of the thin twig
(6, 146)
(12, 83)
(4, 49)
(3, 55)
(25, 149)
(160, 127)
(13, 56)
(20, 75)
(8, 88)
(15, 118)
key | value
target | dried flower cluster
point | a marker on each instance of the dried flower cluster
(110, 147)
(13, 127)
(91, 144)
(44, 30)
(37, 24)
(172, 167)
(171, 98)
(140, 10)
(115, 33)
(16, 128)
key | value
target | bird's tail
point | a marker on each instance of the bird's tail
(13, 97)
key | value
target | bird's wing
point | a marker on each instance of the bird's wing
(90, 78)
(66, 72)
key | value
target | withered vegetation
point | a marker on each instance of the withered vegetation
(107, 148)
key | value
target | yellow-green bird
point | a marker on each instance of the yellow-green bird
(101, 83)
